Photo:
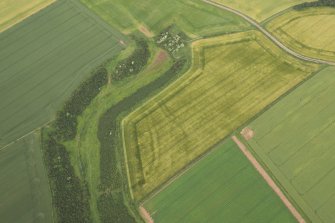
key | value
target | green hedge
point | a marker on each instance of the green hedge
(111, 202)
(69, 196)
(113, 209)
(320, 3)
(66, 119)
(134, 63)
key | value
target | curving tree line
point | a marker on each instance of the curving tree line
(69, 194)
(319, 3)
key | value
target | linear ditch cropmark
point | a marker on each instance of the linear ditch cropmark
(268, 180)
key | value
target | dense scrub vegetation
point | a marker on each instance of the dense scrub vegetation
(70, 195)
(172, 40)
(134, 63)
(319, 3)
(66, 120)
(111, 203)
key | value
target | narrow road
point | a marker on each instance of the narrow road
(268, 180)
(269, 35)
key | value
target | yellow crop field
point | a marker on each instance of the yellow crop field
(233, 77)
(310, 32)
(260, 9)
(12, 12)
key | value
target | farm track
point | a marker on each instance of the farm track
(268, 34)
(268, 180)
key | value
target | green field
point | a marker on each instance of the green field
(295, 139)
(41, 63)
(25, 195)
(260, 9)
(196, 18)
(13, 12)
(310, 31)
(222, 187)
(206, 104)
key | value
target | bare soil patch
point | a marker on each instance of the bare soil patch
(145, 215)
(247, 133)
(146, 31)
(160, 58)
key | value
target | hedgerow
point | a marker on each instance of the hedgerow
(69, 197)
(134, 63)
(66, 119)
(70, 194)
(113, 210)
(319, 3)
(111, 203)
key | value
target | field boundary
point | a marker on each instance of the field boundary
(196, 49)
(268, 180)
(25, 135)
(180, 173)
(91, 13)
(268, 34)
(25, 14)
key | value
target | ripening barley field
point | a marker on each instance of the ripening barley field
(260, 9)
(196, 18)
(25, 195)
(232, 78)
(13, 12)
(222, 187)
(310, 31)
(295, 139)
(41, 63)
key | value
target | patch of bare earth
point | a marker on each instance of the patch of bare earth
(247, 133)
(160, 58)
(268, 179)
(146, 31)
(145, 215)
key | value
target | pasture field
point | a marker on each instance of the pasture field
(25, 195)
(13, 12)
(222, 187)
(260, 10)
(196, 18)
(41, 63)
(295, 140)
(232, 78)
(310, 32)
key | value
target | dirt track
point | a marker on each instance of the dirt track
(268, 179)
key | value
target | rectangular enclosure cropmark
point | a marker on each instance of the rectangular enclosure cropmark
(232, 78)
